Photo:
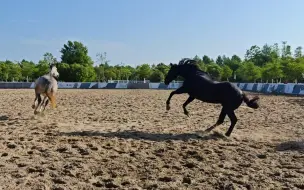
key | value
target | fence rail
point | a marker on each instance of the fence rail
(267, 88)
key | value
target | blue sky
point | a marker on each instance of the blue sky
(146, 31)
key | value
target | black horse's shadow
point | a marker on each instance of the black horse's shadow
(291, 146)
(299, 101)
(139, 135)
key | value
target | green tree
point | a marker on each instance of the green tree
(103, 65)
(234, 62)
(75, 53)
(214, 70)
(157, 76)
(42, 68)
(5, 71)
(294, 71)
(259, 56)
(286, 50)
(65, 73)
(298, 52)
(49, 58)
(99, 70)
(162, 68)
(199, 62)
(110, 74)
(102, 58)
(249, 72)
(219, 60)
(207, 60)
(82, 73)
(143, 71)
(28, 70)
(272, 71)
(226, 72)
(125, 73)
(15, 72)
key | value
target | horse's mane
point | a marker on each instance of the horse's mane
(187, 61)
(193, 64)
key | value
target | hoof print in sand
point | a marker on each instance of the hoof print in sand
(62, 149)
(83, 151)
(111, 185)
(98, 184)
(4, 154)
(190, 165)
(166, 179)
(262, 156)
(59, 181)
(187, 180)
(11, 145)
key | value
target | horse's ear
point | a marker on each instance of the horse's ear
(52, 65)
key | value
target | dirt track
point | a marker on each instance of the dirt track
(97, 139)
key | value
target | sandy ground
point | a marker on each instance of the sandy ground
(125, 139)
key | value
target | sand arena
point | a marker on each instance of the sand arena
(125, 139)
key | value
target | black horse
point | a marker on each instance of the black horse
(199, 85)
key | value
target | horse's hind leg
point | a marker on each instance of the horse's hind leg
(39, 102)
(233, 120)
(219, 121)
(34, 104)
(46, 103)
(43, 104)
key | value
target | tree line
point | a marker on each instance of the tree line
(260, 64)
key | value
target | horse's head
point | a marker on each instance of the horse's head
(172, 74)
(54, 73)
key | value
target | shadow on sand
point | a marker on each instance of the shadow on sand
(291, 146)
(299, 101)
(138, 135)
(3, 118)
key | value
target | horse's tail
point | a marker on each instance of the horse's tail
(253, 103)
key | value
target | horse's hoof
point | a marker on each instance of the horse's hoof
(33, 106)
(168, 107)
(36, 112)
(227, 134)
(187, 114)
(209, 129)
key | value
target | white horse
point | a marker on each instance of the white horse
(47, 86)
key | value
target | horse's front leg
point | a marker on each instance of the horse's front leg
(180, 90)
(188, 101)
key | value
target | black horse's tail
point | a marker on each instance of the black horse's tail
(253, 103)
